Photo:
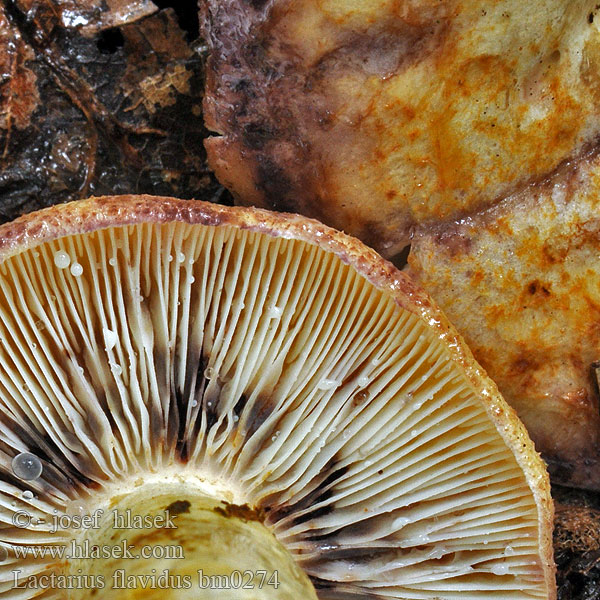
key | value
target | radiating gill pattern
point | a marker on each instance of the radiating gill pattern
(271, 366)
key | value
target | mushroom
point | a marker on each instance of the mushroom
(381, 116)
(521, 284)
(251, 405)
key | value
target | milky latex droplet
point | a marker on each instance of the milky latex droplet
(27, 466)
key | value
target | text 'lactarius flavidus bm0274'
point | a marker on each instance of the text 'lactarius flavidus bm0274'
(259, 392)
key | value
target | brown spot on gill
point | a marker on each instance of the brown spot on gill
(345, 591)
(368, 554)
(177, 421)
(195, 384)
(58, 468)
(210, 401)
(259, 412)
(157, 423)
(317, 491)
(239, 405)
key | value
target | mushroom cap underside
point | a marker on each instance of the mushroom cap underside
(279, 362)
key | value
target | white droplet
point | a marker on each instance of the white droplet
(75, 507)
(61, 259)
(190, 261)
(194, 403)
(363, 380)
(27, 494)
(170, 258)
(275, 312)
(27, 466)
(209, 404)
(413, 433)
(76, 269)
(509, 551)
(181, 257)
(192, 279)
(375, 361)
(110, 338)
(236, 418)
(112, 261)
(422, 538)
(116, 369)
(209, 373)
(500, 569)
(327, 384)
(437, 553)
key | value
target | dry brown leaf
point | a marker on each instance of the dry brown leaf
(19, 96)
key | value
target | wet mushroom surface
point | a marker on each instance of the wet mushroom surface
(419, 123)
(295, 404)
(521, 283)
(378, 116)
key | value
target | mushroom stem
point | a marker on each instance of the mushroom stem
(176, 540)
